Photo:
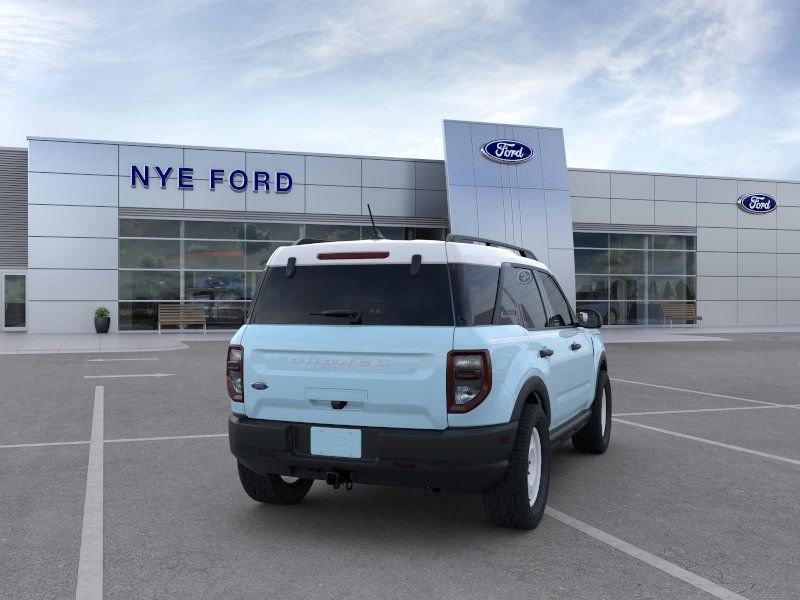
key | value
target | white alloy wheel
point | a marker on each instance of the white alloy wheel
(289, 478)
(534, 466)
(603, 412)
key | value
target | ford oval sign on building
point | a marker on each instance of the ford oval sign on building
(757, 204)
(507, 151)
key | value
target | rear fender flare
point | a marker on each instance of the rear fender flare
(602, 363)
(533, 391)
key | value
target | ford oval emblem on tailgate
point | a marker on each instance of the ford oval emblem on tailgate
(507, 151)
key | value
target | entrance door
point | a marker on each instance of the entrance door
(12, 293)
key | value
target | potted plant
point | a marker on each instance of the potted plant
(102, 320)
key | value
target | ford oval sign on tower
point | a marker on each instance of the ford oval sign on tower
(757, 204)
(507, 151)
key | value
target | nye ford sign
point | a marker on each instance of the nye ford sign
(507, 151)
(237, 179)
(757, 204)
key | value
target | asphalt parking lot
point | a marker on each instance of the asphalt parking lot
(697, 497)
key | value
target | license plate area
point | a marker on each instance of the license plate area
(335, 441)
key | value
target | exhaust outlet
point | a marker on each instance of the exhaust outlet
(336, 479)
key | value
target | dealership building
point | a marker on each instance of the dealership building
(132, 226)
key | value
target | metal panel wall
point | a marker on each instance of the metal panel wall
(76, 184)
(72, 225)
(526, 203)
(13, 208)
(80, 189)
(746, 263)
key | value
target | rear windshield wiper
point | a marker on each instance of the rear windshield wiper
(342, 313)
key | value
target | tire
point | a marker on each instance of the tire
(273, 489)
(509, 501)
(593, 438)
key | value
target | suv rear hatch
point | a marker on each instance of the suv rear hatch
(351, 333)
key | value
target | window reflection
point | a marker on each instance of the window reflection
(215, 263)
(149, 254)
(627, 288)
(213, 285)
(214, 230)
(272, 231)
(590, 287)
(258, 253)
(591, 261)
(627, 278)
(151, 228)
(333, 232)
(149, 285)
(217, 255)
(627, 261)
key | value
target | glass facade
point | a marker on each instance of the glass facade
(213, 263)
(627, 278)
(12, 296)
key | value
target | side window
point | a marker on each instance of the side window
(474, 293)
(520, 302)
(560, 315)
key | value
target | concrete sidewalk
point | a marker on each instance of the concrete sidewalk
(66, 343)
(633, 335)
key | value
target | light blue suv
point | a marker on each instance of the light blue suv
(451, 365)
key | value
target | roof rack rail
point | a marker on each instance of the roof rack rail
(454, 237)
(304, 241)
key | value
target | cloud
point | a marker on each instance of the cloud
(351, 32)
(676, 85)
(686, 70)
(707, 47)
(677, 71)
(37, 39)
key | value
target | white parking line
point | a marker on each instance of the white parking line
(117, 440)
(674, 389)
(41, 444)
(666, 387)
(702, 410)
(90, 564)
(168, 437)
(119, 359)
(792, 461)
(128, 375)
(701, 583)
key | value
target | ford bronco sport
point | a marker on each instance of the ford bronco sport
(452, 365)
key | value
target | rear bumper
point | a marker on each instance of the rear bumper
(465, 459)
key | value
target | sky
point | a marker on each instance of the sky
(688, 86)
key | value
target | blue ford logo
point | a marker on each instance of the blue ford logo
(757, 203)
(507, 151)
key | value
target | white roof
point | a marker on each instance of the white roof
(400, 251)
(462, 252)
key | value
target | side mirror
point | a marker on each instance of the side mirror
(589, 318)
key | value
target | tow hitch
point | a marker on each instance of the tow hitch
(339, 478)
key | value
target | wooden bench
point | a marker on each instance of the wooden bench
(680, 311)
(181, 314)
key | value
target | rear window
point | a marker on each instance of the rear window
(380, 295)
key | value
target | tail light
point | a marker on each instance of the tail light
(469, 379)
(234, 374)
